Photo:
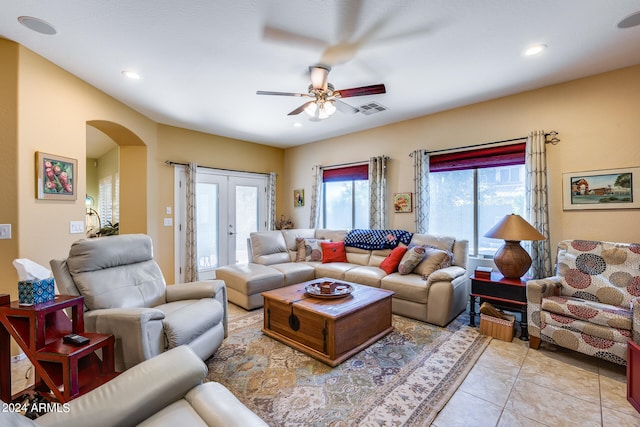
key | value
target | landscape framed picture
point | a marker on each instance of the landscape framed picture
(601, 189)
(55, 177)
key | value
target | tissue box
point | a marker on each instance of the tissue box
(36, 291)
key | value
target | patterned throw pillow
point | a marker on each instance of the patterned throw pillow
(333, 252)
(411, 259)
(309, 249)
(391, 262)
(434, 259)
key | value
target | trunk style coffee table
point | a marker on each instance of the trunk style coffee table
(328, 328)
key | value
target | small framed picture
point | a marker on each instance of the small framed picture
(298, 198)
(55, 177)
(402, 202)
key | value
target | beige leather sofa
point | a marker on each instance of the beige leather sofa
(164, 391)
(125, 295)
(437, 299)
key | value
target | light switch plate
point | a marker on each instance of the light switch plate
(76, 227)
(5, 231)
(168, 222)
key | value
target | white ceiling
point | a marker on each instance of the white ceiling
(202, 61)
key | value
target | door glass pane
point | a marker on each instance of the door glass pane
(500, 192)
(246, 219)
(451, 204)
(207, 232)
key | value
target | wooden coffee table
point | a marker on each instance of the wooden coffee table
(328, 329)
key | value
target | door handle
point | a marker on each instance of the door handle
(231, 233)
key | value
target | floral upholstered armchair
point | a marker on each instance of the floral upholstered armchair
(592, 304)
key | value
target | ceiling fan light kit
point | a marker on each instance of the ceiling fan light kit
(325, 99)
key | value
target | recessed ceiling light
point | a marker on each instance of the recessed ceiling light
(37, 25)
(131, 74)
(535, 49)
(297, 125)
(630, 21)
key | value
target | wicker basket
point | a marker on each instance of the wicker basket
(502, 329)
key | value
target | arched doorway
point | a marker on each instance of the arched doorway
(132, 175)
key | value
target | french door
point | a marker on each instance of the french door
(230, 205)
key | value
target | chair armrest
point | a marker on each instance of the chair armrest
(446, 274)
(139, 332)
(198, 290)
(635, 313)
(540, 288)
(136, 394)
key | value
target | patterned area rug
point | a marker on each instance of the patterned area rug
(404, 379)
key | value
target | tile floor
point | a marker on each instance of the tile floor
(512, 386)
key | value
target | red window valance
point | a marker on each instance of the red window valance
(506, 155)
(348, 173)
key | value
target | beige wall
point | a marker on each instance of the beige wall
(597, 119)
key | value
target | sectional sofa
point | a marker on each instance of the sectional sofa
(434, 291)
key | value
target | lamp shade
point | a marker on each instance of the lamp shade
(511, 259)
(514, 227)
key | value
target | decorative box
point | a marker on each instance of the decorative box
(502, 329)
(32, 292)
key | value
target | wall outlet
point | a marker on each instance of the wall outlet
(76, 227)
(5, 231)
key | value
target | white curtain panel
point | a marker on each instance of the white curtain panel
(537, 207)
(271, 201)
(191, 270)
(316, 197)
(378, 192)
(421, 185)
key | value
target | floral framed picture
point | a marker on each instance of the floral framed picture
(402, 202)
(55, 177)
(601, 189)
(298, 198)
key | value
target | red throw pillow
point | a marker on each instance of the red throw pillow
(333, 252)
(391, 262)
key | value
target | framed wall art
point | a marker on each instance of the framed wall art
(55, 177)
(601, 189)
(402, 202)
(298, 198)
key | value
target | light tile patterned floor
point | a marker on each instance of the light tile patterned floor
(512, 385)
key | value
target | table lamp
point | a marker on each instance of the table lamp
(511, 259)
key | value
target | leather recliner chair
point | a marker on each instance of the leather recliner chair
(164, 391)
(125, 295)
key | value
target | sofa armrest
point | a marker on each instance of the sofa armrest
(136, 394)
(540, 288)
(635, 313)
(446, 274)
(198, 290)
(138, 332)
(217, 406)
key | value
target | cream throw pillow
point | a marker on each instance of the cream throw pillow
(434, 259)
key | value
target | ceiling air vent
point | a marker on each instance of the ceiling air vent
(371, 108)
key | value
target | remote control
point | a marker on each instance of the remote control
(75, 339)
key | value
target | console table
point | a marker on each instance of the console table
(503, 293)
(62, 371)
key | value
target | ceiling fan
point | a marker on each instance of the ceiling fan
(325, 99)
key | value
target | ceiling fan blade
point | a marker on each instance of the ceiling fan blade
(343, 107)
(300, 109)
(268, 92)
(361, 91)
(319, 75)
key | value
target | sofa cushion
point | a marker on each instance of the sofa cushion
(291, 237)
(411, 259)
(330, 235)
(365, 275)
(410, 287)
(434, 259)
(441, 242)
(589, 311)
(358, 256)
(333, 252)
(295, 272)
(391, 262)
(334, 270)
(269, 247)
(595, 335)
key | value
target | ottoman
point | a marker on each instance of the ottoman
(246, 282)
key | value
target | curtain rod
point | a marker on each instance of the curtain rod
(550, 138)
(172, 163)
(363, 162)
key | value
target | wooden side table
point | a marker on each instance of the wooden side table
(633, 374)
(503, 293)
(62, 371)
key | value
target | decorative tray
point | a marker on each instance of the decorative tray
(329, 289)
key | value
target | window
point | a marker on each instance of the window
(346, 197)
(109, 199)
(471, 190)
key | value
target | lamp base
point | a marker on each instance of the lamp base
(512, 260)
